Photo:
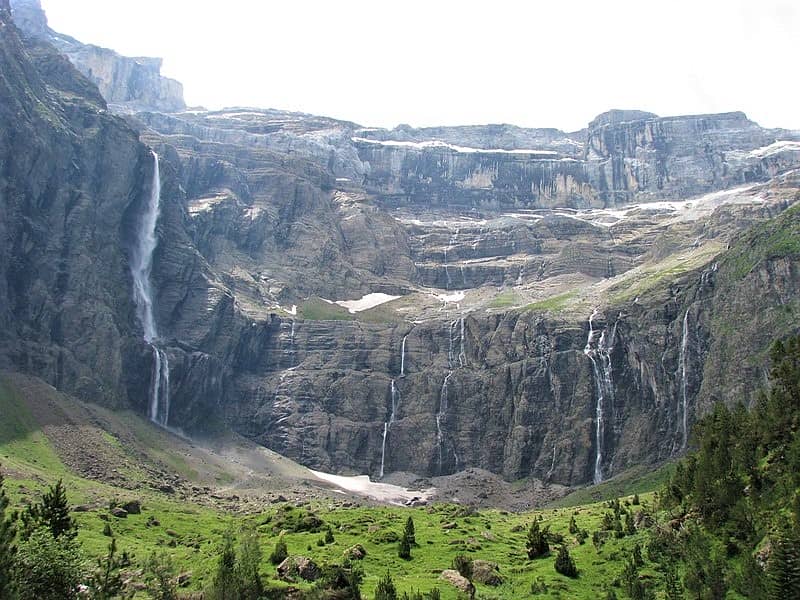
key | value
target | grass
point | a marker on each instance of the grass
(552, 304)
(506, 299)
(637, 480)
(316, 309)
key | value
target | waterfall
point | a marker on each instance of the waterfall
(440, 415)
(141, 266)
(388, 424)
(453, 361)
(403, 357)
(604, 383)
(684, 415)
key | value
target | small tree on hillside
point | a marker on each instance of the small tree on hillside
(106, 582)
(409, 532)
(160, 577)
(51, 513)
(224, 586)
(404, 548)
(280, 552)
(247, 574)
(565, 564)
(537, 544)
(385, 589)
(47, 567)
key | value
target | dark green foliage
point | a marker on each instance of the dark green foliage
(160, 577)
(404, 548)
(224, 585)
(783, 568)
(636, 555)
(47, 567)
(280, 553)
(340, 582)
(630, 527)
(107, 530)
(537, 544)
(565, 563)
(573, 526)
(752, 582)
(51, 513)
(673, 590)
(635, 501)
(294, 520)
(409, 532)
(7, 548)
(385, 589)
(106, 582)
(329, 539)
(538, 587)
(248, 578)
(463, 565)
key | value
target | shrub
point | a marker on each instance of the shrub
(537, 545)
(47, 567)
(385, 589)
(565, 564)
(280, 553)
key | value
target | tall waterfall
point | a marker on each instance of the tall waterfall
(455, 334)
(403, 357)
(388, 424)
(600, 355)
(141, 266)
(684, 411)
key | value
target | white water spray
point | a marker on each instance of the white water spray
(141, 266)
(684, 412)
(403, 357)
(603, 382)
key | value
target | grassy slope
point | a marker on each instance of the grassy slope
(191, 532)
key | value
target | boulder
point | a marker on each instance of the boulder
(460, 582)
(298, 566)
(486, 572)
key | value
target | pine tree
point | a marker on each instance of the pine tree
(783, 569)
(280, 552)
(7, 548)
(410, 533)
(249, 579)
(224, 586)
(106, 581)
(160, 577)
(51, 513)
(404, 548)
(573, 526)
(537, 545)
(463, 565)
(565, 563)
(385, 589)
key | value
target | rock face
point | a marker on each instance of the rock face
(568, 302)
(128, 82)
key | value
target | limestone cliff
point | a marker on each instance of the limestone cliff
(131, 83)
(533, 302)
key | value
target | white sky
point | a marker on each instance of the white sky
(539, 64)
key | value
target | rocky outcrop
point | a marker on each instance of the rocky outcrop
(131, 83)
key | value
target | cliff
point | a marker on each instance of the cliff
(555, 305)
(131, 83)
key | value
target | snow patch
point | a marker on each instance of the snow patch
(366, 302)
(445, 145)
(383, 492)
(454, 297)
(774, 148)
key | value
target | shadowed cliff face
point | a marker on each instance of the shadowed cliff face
(499, 243)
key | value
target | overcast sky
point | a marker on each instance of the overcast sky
(539, 64)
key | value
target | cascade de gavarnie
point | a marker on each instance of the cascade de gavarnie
(533, 302)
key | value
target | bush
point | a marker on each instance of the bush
(537, 545)
(280, 553)
(385, 589)
(51, 513)
(565, 564)
(160, 577)
(7, 548)
(47, 567)
(404, 548)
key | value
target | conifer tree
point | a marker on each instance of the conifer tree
(248, 577)
(51, 513)
(224, 586)
(537, 545)
(106, 581)
(404, 548)
(385, 589)
(565, 563)
(783, 568)
(410, 533)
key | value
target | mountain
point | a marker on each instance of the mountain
(535, 303)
